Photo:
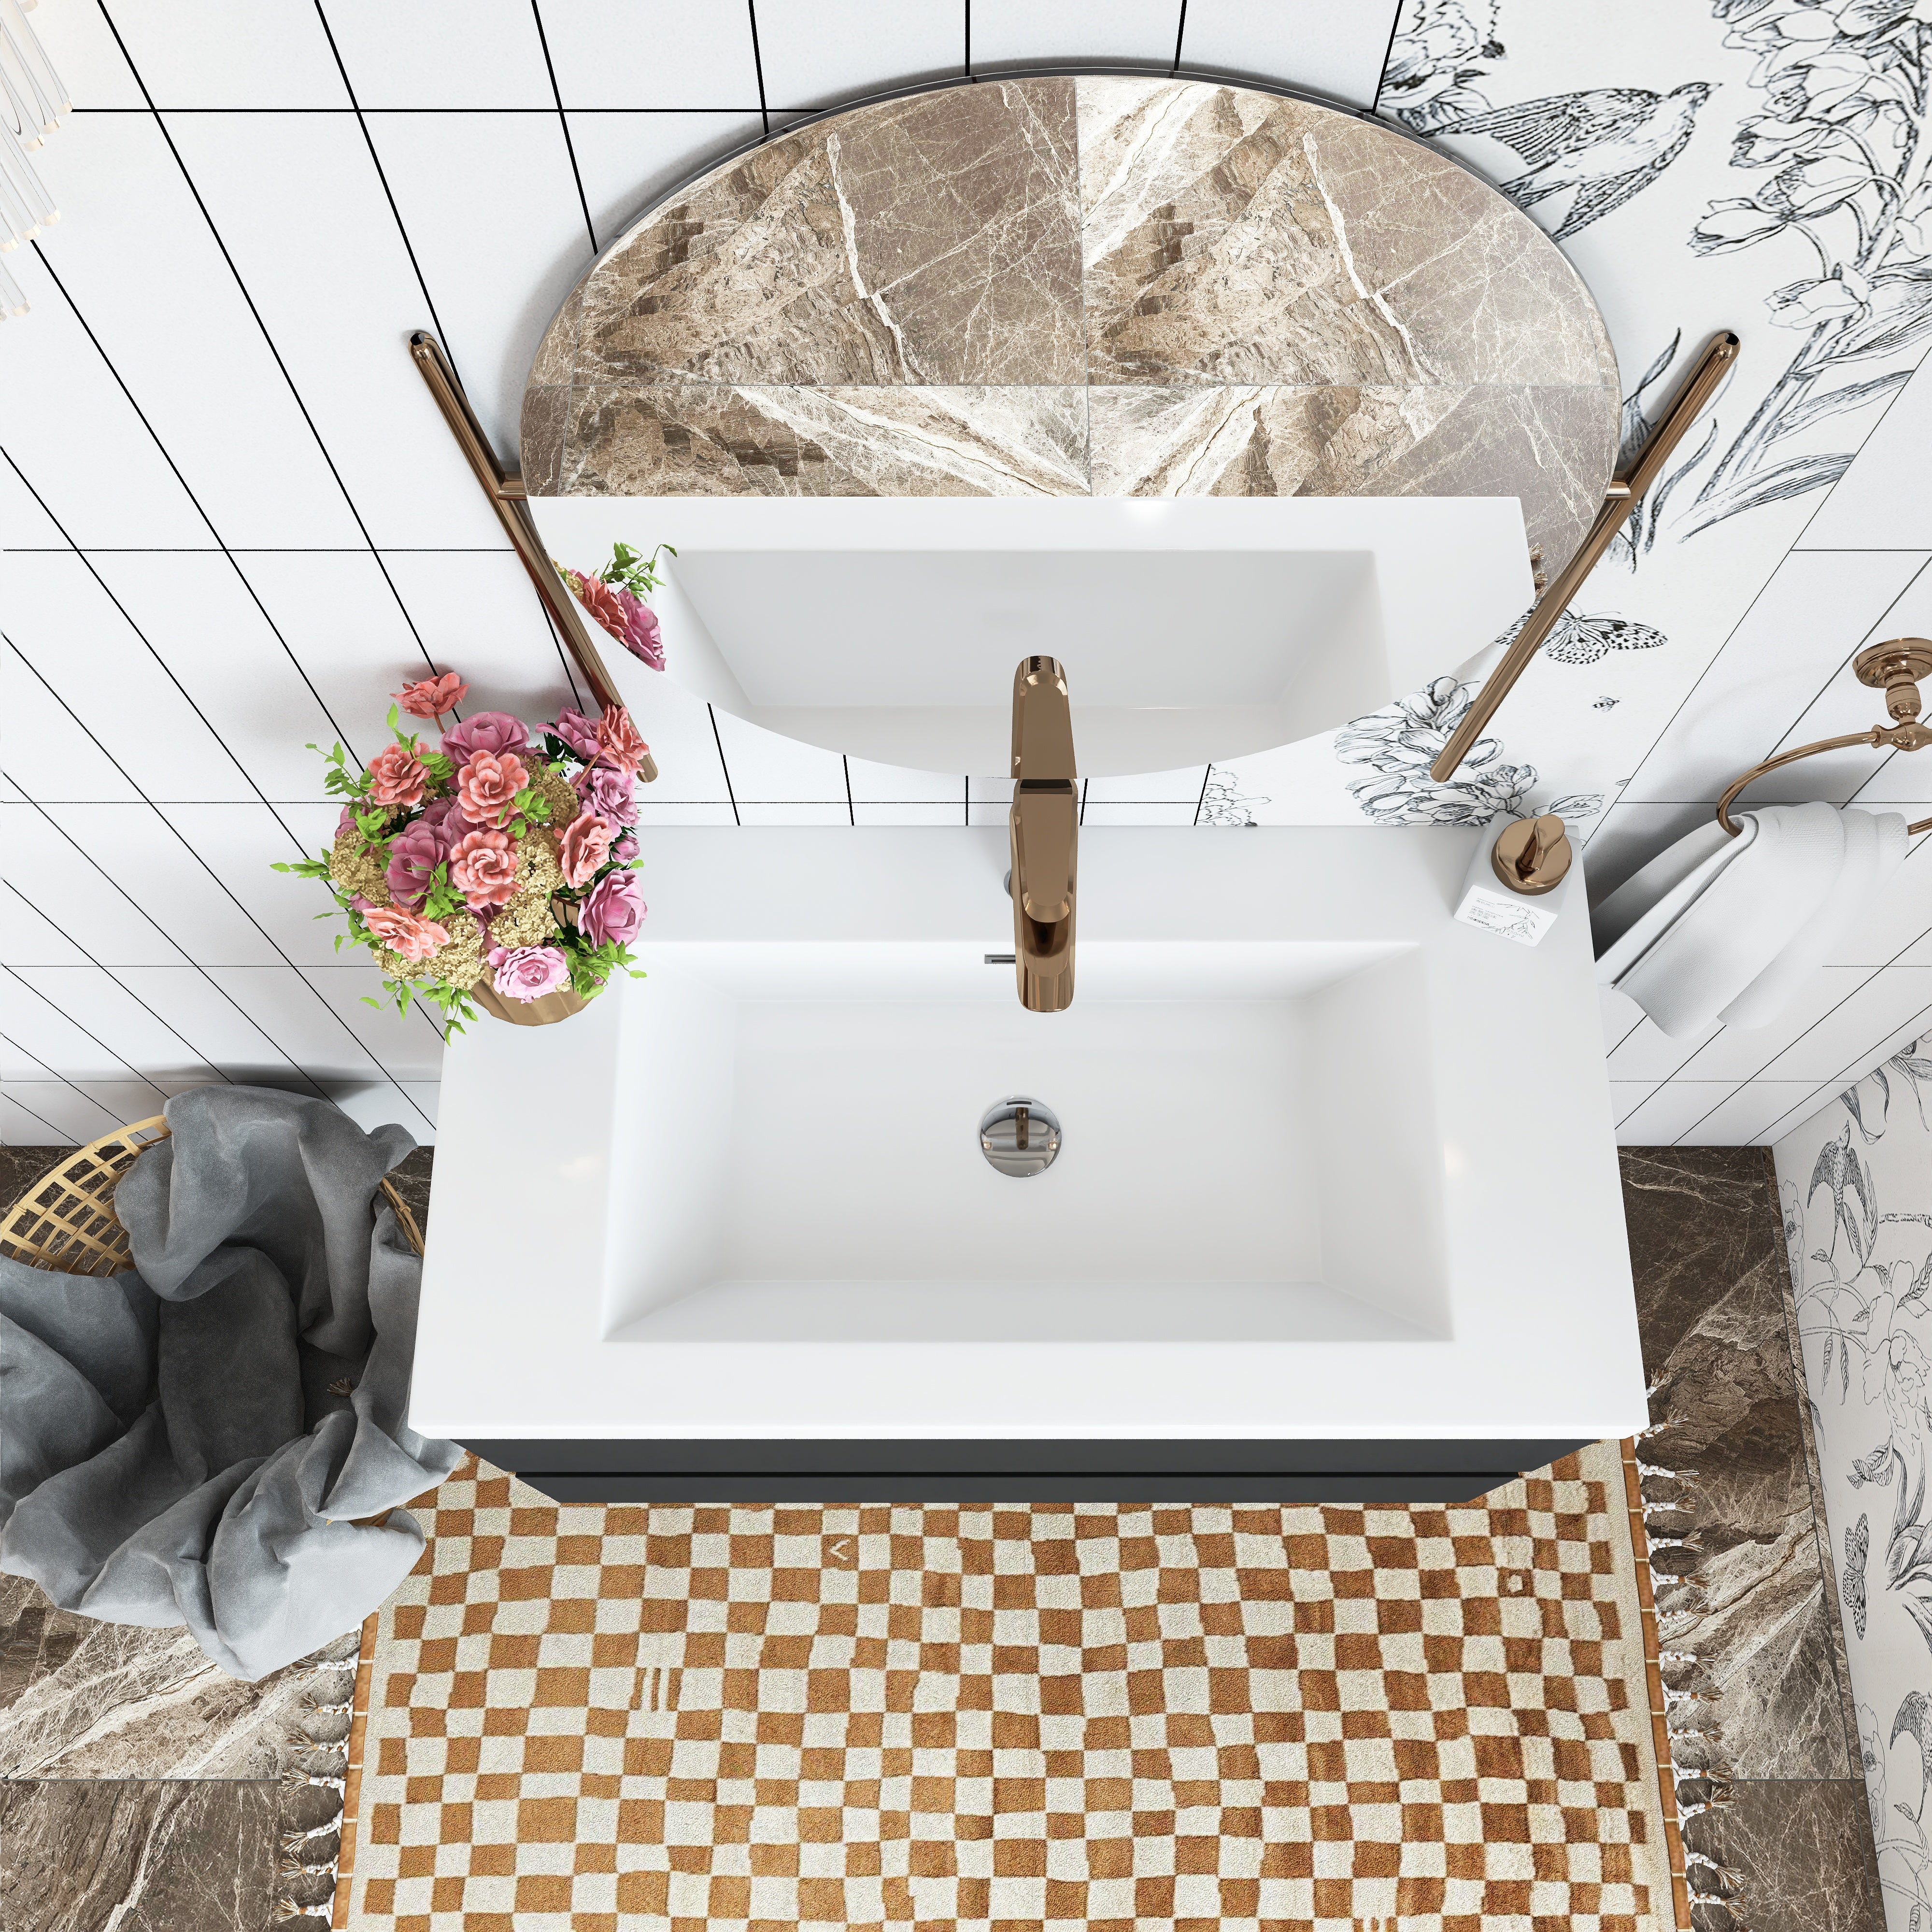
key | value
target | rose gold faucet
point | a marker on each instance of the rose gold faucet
(1044, 828)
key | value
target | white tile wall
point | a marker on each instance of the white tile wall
(212, 400)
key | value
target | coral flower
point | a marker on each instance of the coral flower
(529, 972)
(397, 776)
(415, 939)
(432, 697)
(618, 743)
(631, 621)
(487, 787)
(586, 846)
(483, 868)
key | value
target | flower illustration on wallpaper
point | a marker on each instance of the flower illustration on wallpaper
(1427, 79)
(1844, 142)
(1401, 741)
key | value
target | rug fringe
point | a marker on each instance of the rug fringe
(323, 1702)
(1680, 1597)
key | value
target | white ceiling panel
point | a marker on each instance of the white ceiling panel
(628, 163)
(77, 38)
(179, 886)
(1741, 1119)
(63, 621)
(441, 53)
(655, 53)
(41, 1021)
(1337, 51)
(820, 53)
(27, 938)
(298, 1019)
(1071, 33)
(195, 609)
(770, 770)
(490, 204)
(142, 265)
(1740, 1053)
(342, 331)
(1842, 1045)
(1672, 1110)
(49, 863)
(48, 754)
(190, 1002)
(25, 524)
(230, 53)
(77, 439)
(50, 1113)
(1792, 649)
(407, 1045)
(135, 1037)
(240, 845)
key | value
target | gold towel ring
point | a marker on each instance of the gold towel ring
(1896, 667)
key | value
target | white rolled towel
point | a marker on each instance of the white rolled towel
(1722, 928)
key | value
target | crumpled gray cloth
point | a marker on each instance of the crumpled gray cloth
(170, 1452)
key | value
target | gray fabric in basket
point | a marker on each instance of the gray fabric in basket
(170, 1452)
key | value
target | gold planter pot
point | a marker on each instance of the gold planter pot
(544, 1012)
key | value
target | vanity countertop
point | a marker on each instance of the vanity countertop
(1283, 1025)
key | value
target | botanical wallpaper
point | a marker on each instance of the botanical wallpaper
(1856, 1185)
(1763, 165)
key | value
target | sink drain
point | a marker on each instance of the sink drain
(1020, 1137)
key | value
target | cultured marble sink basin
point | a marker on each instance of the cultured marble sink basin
(1336, 1170)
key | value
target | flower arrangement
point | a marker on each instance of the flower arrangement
(615, 597)
(496, 868)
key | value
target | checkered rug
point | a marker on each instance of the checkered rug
(731, 1719)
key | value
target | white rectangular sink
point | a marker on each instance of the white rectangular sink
(815, 1173)
(1334, 1166)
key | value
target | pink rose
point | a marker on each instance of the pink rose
(633, 623)
(397, 776)
(415, 939)
(414, 856)
(487, 787)
(577, 731)
(529, 972)
(483, 868)
(496, 732)
(431, 697)
(608, 793)
(624, 848)
(614, 908)
(618, 743)
(586, 846)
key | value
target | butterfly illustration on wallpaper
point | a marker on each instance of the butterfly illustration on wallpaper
(1582, 641)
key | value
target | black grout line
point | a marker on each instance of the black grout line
(167, 670)
(188, 847)
(1180, 34)
(563, 121)
(710, 711)
(181, 107)
(1206, 773)
(376, 160)
(851, 809)
(14, 1097)
(61, 1080)
(1388, 52)
(167, 1026)
(758, 68)
(563, 656)
(78, 1027)
(187, 958)
(966, 66)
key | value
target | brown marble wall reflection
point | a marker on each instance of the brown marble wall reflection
(930, 240)
(1707, 1251)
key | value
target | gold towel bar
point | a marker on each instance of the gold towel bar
(1896, 667)
(1620, 498)
(509, 499)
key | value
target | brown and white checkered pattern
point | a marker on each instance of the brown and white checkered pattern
(594, 1720)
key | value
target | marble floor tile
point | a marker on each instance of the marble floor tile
(82, 1699)
(118, 1856)
(1797, 1846)
(1704, 1249)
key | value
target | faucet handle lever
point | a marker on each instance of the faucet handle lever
(1043, 721)
(1046, 823)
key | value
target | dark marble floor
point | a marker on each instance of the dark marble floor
(135, 1780)
(1713, 1306)
(140, 1787)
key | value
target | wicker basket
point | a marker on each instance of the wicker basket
(65, 1222)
